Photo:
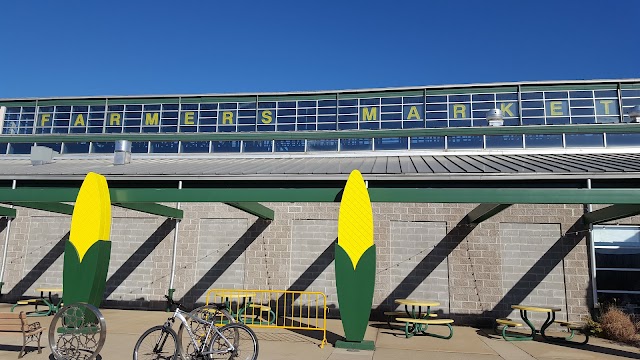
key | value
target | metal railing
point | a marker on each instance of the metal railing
(294, 310)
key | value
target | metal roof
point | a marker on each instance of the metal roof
(461, 166)
(346, 91)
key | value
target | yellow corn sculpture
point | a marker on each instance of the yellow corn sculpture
(355, 261)
(87, 253)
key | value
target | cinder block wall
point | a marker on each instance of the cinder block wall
(526, 254)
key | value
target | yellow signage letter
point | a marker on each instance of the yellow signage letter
(413, 113)
(370, 113)
(44, 119)
(188, 118)
(227, 117)
(505, 107)
(79, 120)
(266, 117)
(459, 109)
(556, 108)
(114, 119)
(151, 118)
(606, 104)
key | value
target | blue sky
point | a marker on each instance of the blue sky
(78, 48)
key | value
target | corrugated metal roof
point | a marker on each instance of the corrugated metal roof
(405, 167)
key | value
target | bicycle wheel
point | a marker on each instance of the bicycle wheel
(208, 313)
(243, 339)
(157, 343)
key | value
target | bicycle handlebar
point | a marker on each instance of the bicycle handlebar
(174, 303)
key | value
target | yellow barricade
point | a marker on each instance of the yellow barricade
(296, 310)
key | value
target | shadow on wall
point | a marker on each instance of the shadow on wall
(34, 274)
(139, 256)
(226, 260)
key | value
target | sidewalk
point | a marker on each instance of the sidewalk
(125, 326)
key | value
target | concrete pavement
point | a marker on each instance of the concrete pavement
(125, 326)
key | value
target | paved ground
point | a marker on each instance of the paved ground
(125, 326)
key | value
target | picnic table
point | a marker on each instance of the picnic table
(551, 319)
(418, 321)
(48, 301)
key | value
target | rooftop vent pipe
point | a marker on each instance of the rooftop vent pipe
(122, 152)
(494, 116)
(634, 114)
(41, 155)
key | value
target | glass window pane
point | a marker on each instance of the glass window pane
(225, 146)
(401, 143)
(20, 148)
(584, 140)
(504, 141)
(195, 147)
(464, 142)
(257, 146)
(543, 141)
(164, 147)
(427, 142)
(322, 145)
(355, 144)
(103, 147)
(623, 139)
(76, 148)
(289, 145)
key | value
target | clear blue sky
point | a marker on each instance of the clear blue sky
(135, 47)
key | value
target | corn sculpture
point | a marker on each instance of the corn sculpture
(87, 253)
(355, 262)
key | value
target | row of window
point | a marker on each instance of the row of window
(463, 110)
(617, 256)
(364, 144)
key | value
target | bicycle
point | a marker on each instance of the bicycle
(234, 340)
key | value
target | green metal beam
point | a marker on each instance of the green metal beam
(612, 212)
(483, 212)
(254, 208)
(154, 209)
(8, 212)
(453, 131)
(54, 207)
(392, 195)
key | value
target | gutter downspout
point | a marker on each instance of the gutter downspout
(175, 249)
(6, 245)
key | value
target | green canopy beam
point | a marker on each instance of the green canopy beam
(54, 207)
(393, 195)
(254, 208)
(154, 209)
(8, 212)
(612, 212)
(483, 212)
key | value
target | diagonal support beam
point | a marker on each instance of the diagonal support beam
(8, 212)
(154, 209)
(483, 212)
(54, 207)
(612, 212)
(254, 208)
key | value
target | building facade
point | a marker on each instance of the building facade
(473, 210)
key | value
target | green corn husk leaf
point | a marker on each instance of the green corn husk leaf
(85, 281)
(355, 291)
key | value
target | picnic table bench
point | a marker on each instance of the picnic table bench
(17, 323)
(551, 319)
(418, 321)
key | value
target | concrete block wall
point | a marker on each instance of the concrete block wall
(527, 253)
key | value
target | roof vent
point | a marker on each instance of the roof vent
(123, 152)
(41, 155)
(634, 114)
(494, 116)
